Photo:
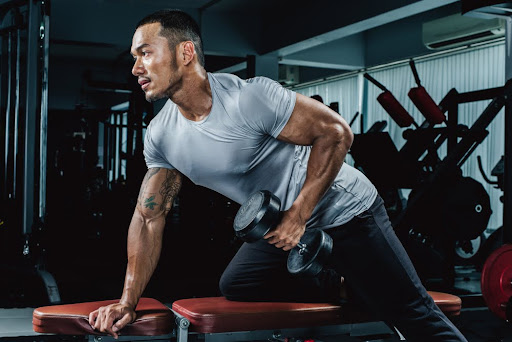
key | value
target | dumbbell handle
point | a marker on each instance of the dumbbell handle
(303, 248)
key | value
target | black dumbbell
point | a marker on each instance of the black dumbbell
(261, 213)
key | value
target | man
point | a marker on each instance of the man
(237, 137)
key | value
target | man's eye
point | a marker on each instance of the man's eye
(145, 53)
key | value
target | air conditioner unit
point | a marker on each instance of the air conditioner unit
(457, 30)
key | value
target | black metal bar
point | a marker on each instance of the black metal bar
(452, 123)
(106, 153)
(3, 129)
(468, 153)
(449, 100)
(479, 95)
(30, 118)
(45, 40)
(356, 115)
(507, 176)
(17, 128)
(374, 81)
(415, 72)
(480, 125)
(114, 148)
(7, 164)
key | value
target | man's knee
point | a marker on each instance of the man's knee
(233, 288)
(226, 286)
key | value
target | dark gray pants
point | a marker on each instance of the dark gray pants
(377, 270)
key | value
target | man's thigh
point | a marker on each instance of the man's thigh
(258, 273)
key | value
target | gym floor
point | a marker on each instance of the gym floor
(476, 322)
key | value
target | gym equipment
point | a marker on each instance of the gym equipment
(448, 170)
(423, 139)
(24, 34)
(218, 319)
(446, 174)
(261, 213)
(432, 210)
(466, 251)
(311, 254)
(496, 282)
(391, 105)
(153, 318)
(461, 204)
(423, 101)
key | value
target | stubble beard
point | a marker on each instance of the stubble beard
(172, 87)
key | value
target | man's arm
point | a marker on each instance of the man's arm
(158, 190)
(312, 123)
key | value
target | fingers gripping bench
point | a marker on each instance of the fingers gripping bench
(217, 319)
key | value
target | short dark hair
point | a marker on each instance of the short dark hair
(177, 27)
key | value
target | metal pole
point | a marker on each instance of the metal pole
(106, 152)
(45, 38)
(3, 129)
(507, 177)
(16, 115)
(7, 187)
(30, 118)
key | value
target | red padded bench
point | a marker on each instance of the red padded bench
(153, 319)
(216, 316)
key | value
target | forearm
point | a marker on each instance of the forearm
(144, 247)
(326, 158)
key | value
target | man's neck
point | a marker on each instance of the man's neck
(194, 99)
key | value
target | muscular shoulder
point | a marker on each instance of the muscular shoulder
(262, 91)
(226, 82)
(233, 83)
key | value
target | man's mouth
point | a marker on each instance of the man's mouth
(144, 83)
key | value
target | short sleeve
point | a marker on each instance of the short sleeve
(266, 105)
(152, 155)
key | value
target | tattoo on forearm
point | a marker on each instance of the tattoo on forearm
(149, 203)
(169, 189)
(151, 172)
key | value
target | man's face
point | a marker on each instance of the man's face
(154, 62)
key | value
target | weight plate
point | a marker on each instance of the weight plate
(466, 208)
(311, 261)
(257, 216)
(496, 280)
(249, 211)
(466, 249)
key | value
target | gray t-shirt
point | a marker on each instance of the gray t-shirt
(234, 150)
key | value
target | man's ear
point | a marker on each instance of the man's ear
(188, 51)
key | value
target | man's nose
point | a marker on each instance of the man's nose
(138, 68)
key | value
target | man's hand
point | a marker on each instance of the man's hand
(112, 318)
(289, 231)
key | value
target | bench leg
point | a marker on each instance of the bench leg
(182, 325)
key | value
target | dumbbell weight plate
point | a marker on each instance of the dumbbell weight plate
(257, 216)
(496, 281)
(310, 262)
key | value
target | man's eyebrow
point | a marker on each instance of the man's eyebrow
(139, 47)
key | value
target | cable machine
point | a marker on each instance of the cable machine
(24, 35)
